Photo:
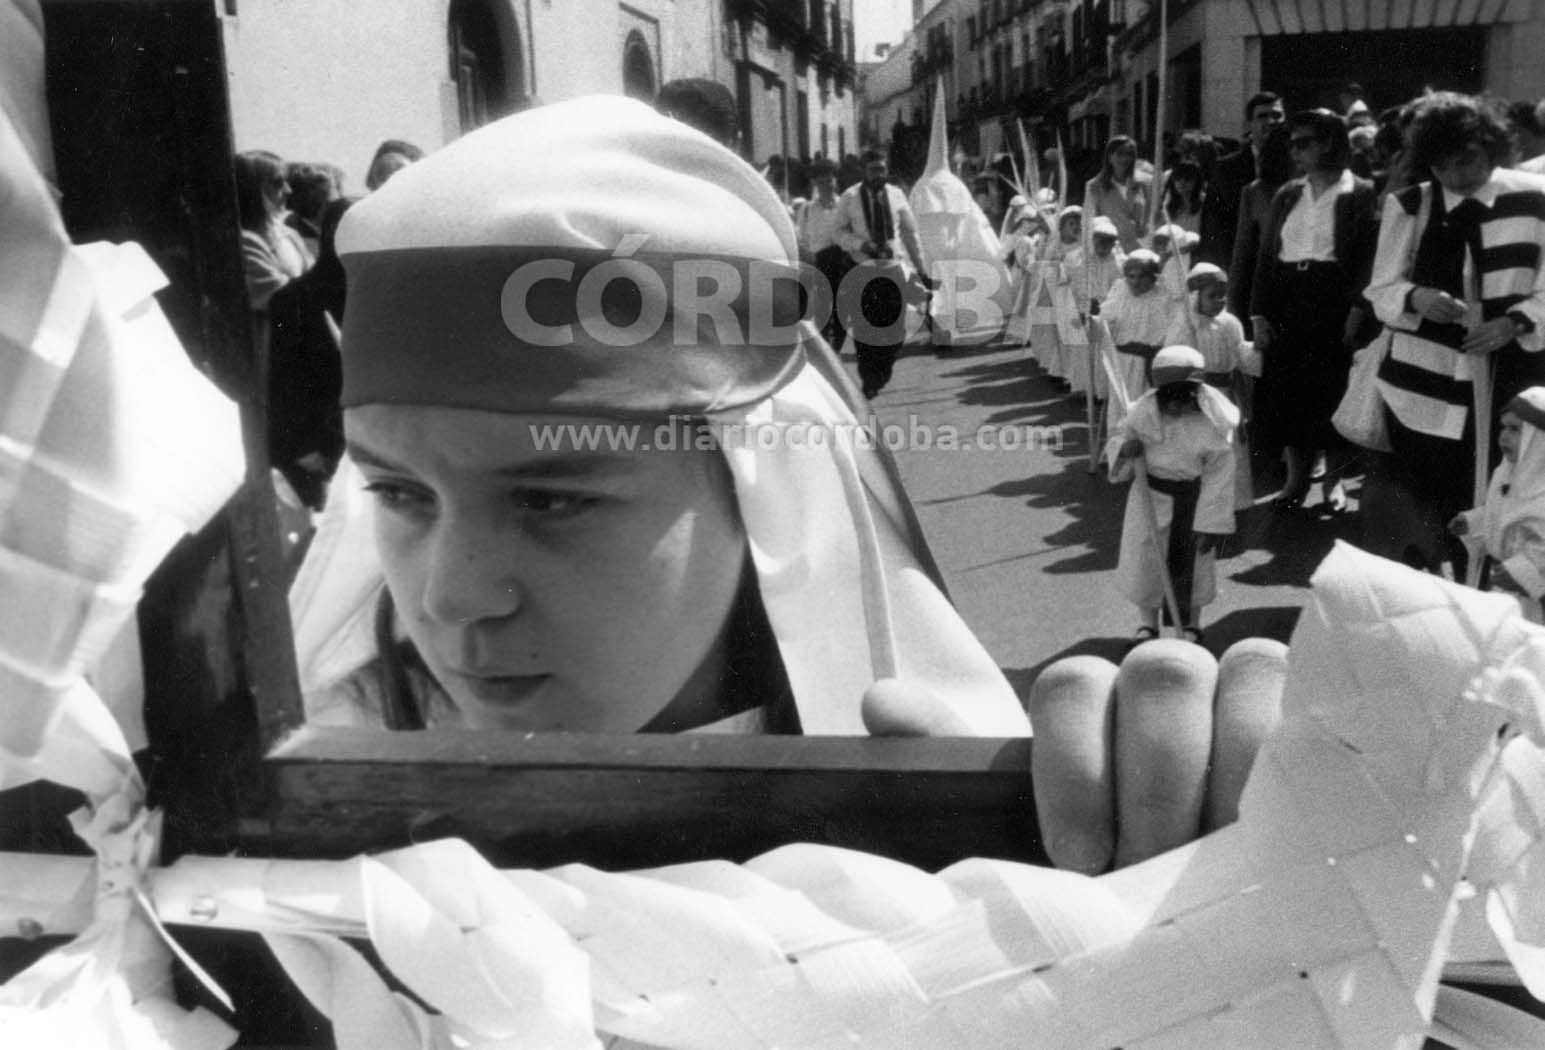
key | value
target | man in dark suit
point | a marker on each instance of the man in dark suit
(1220, 211)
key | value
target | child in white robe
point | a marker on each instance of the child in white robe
(1052, 302)
(1092, 277)
(1023, 259)
(1014, 231)
(1509, 529)
(1184, 431)
(1138, 314)
(1230, 360)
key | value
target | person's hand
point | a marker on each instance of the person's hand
(1264, 333)
(1502, 580)
(1489, 336)
(1135, 761)
(1437, 306)
(892, 707)
(1459, 526)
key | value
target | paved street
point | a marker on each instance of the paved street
(1028, 539)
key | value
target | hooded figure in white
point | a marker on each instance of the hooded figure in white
(974, 292)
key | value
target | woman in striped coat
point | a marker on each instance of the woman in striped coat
(1458, 278)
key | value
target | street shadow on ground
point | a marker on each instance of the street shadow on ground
(1296, 541)
(1275, 622)
(1090, 540)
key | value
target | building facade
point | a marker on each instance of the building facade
(1088, 69)
(320, 80)
(1222, 51)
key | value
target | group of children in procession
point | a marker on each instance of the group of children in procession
(1160, 328)
(1169, 366)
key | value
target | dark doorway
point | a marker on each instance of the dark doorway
(485, 72)
(1392, 66)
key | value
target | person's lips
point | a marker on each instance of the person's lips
(502, 689)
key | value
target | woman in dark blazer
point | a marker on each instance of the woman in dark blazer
(1307, 302)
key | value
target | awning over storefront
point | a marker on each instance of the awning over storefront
(1277, 17)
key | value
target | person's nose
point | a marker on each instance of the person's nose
(471, 572)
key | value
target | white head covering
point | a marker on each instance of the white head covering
(1525, 478)
(1179, 364)
(847, 592)
(1205, 273)
(1147, 259)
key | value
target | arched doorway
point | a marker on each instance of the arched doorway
(486, 61)
(638, 78)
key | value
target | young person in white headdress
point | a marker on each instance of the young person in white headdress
(1509, 528)
(484, 565)
(1021, 250)
(496, 289)
(1053, 312)
(1138, 314)
(1018, 246)
(1093, 280)
(1230, 360)
(1183, 429)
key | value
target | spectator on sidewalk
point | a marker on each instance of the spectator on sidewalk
(878, 230)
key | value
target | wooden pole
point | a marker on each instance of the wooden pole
(1160, 105)
(1480, 388)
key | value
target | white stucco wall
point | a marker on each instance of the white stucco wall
(327, 80)
(292, 91)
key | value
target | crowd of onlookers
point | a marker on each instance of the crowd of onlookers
(289, 214)
(1409, 242)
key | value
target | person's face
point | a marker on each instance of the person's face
(1509, 435)
(1307, 150)
(1103, 245)
(276, 192)
(1072, 229)
(1162, 247)
(1176, 399)
(552, 590)
(1123, 160)
(876, 172)
(1464, 172)
(825, 186)
(1210, 299)
(1263, 118)
(1140, 280)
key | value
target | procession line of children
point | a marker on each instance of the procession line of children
(1160, 329)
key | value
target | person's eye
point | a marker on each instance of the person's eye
(553, 504)
(399, 496)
